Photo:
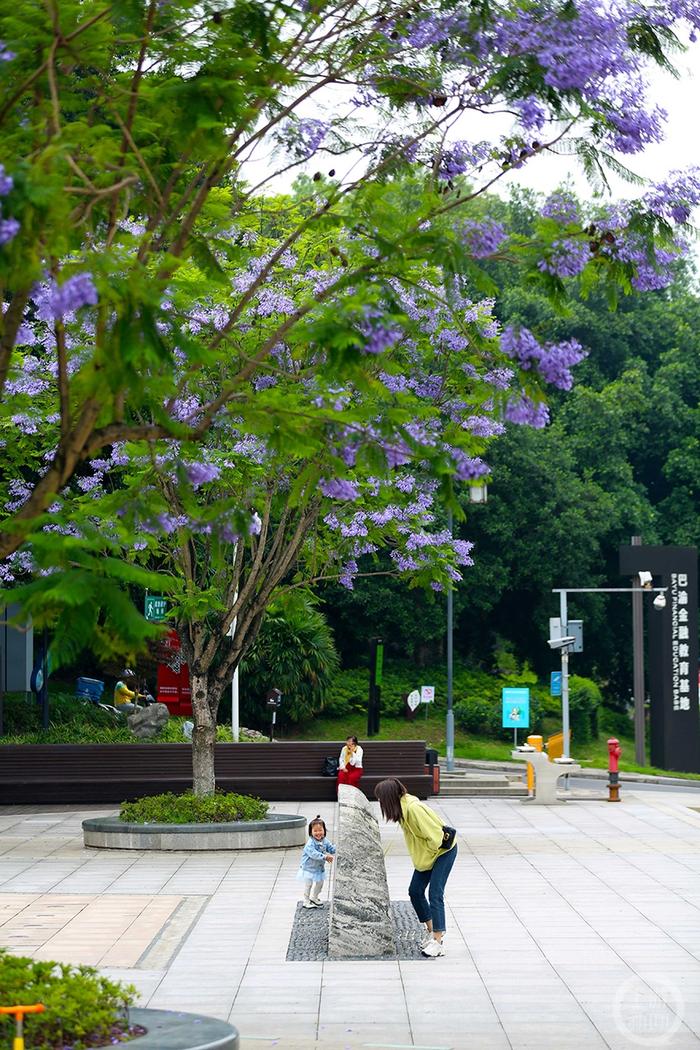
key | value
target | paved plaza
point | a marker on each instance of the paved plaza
(570, 926)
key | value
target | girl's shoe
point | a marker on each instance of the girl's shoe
(433, 949)
(425, 938)
(308, 904)
(314, 903)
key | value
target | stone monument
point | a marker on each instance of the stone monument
(147, 722)
(360, 917)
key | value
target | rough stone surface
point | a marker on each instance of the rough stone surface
(276, 831)
(309, 938)
(360, 922)
(148, 721)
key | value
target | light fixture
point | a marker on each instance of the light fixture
(659, 601)
(645, 580)
(478, 493)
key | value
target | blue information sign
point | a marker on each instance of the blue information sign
(516, 708)
(555, 683)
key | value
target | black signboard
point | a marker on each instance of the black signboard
(673, 653)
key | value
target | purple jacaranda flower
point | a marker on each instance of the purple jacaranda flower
(55, 302)
(264, 382)
(526, 412)
(201, 473)
(562, 207)
(467, 468)
(463, 549)
(9, 228)
(483, 426)
(531, 113)
(380, 338)
(339, 488)
(255, 524)
(347, 574)
(484, 238)
(6, 182)
(566, 258)
(5, 54)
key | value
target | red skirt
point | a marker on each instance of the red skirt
(351, 775)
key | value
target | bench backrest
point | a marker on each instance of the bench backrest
(105, 762)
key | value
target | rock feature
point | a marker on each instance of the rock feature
(146, 722)
(360, 917)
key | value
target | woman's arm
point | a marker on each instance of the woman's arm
(356, 757)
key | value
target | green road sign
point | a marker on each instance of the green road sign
(155, 607)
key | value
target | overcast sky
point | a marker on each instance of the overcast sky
(681, 148)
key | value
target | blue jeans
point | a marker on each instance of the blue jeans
(435, 878)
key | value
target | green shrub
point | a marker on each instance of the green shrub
(615, 723)
(477, 716)
(83, 1009)
(73, 732)
(189, 808)
(584, 701)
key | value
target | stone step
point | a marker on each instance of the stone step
(483, 790)
(482, 778)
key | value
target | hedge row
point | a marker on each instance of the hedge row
(476, 697)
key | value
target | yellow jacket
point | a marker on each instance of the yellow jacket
(422, 829)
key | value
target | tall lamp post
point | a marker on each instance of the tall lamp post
(477, 494)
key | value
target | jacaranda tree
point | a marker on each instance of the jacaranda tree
(250, 392)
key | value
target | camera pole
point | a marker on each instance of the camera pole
(564, 617)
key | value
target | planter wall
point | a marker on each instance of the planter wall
(276, 831)
(171, 1030)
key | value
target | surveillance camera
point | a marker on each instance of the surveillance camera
(659, 601)
(645, 580)
(559, 643)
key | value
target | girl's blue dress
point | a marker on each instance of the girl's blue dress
(313, 864)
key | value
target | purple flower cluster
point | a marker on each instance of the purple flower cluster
(553, 361)
(531, 113)
(675, 198)
(567, 258)
(201, 473)
(339, 488)
(309, 134)
(562, 207)
(483, 426)
(9, 228)
(468, 468)
(526, 412)
(379, 338)
(58, 301)
(484, 238)
(5, 54)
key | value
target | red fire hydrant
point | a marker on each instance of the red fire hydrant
(614, 752)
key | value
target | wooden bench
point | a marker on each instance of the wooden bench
(281, 771)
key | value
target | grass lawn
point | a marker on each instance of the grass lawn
(467, 745)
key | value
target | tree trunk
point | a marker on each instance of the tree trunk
(203, 738)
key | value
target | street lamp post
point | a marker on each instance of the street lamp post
(477, 494)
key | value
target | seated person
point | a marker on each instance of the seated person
(126, 693)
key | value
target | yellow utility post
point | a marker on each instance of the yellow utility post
(536, 742)
(18, 1013)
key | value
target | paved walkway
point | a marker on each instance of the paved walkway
(570, 926)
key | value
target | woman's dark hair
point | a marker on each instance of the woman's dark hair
(317, 820)
(354, 740)
(389, 794)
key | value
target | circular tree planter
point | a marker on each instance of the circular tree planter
(276, 831)
(171, 1030)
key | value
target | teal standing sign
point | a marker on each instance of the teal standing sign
(516, 708)
(555, 683)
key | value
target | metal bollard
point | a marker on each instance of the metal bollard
(614, 752)
(18, 1013)
(536, 743)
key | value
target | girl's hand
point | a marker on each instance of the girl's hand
(329, 859)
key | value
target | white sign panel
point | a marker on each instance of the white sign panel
(413, 699)
(427, 694)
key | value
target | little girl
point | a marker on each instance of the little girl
(318, 852)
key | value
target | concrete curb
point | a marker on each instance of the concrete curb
(276, 831)
(592, 773)
(172, 1030)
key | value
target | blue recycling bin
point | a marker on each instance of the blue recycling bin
(90, 689)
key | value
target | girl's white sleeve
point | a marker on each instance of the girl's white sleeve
(356, 759)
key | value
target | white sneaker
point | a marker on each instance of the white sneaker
(425, 938)
(315, 904)
(433, 949)
(308, 904)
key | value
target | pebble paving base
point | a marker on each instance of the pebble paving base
(309, 939)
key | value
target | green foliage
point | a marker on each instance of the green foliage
(584, 701)
(294, 652)
(193, 809)
(73, 722)
(83, 1008)
(614, 723)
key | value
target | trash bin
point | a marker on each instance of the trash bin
(90, 688)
